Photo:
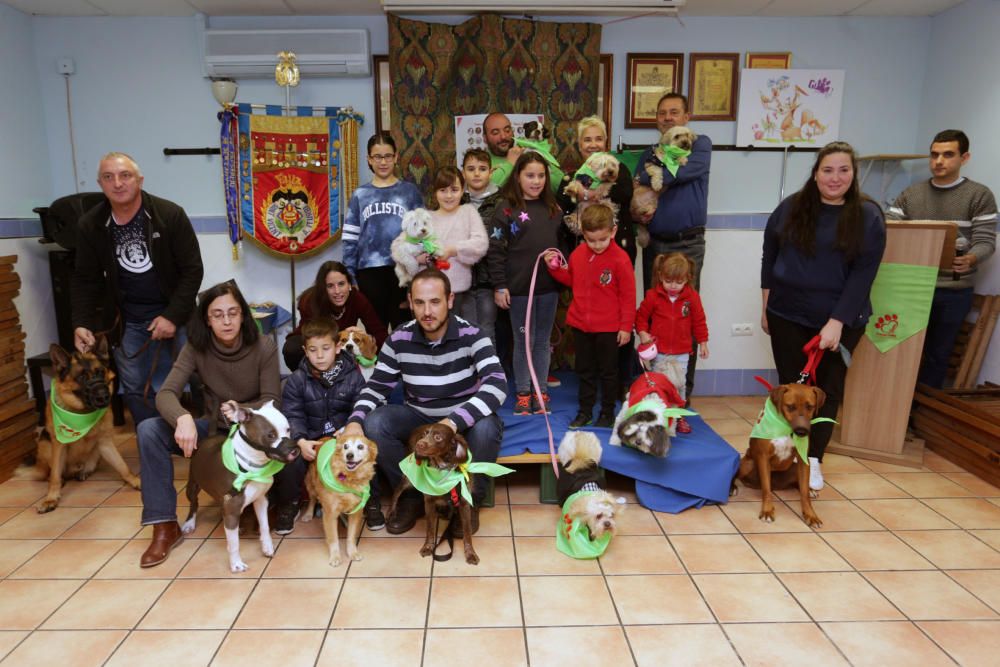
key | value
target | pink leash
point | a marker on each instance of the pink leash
(535, 385)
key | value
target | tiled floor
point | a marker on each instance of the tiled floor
(905, 571)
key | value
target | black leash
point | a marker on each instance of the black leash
(447, 534)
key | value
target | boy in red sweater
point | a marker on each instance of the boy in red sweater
(603, 283)
(672, 315)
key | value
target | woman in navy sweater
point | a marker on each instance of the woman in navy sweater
(822, 248)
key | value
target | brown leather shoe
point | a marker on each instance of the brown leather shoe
(166, 536)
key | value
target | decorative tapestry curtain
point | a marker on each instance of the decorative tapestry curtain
(489, 63)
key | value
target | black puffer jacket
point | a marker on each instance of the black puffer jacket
(315, 407)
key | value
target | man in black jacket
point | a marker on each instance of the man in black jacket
(143, 250)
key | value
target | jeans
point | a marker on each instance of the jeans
(390, 426)
(695, 249)
(948, 311)
(543, 316)
(155, 438)
(465, 306)
(134, 368)
(485, 311)
(663, 363)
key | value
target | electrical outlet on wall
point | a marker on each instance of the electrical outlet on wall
(742, 329)
(65, 66)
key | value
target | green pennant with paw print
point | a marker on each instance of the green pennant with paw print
(901, 303)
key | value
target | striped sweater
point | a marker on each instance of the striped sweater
(459, 377)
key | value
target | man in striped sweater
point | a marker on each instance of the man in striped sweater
(950, 196)
(450, 374)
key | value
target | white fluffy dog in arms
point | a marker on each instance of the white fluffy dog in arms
(412, 242)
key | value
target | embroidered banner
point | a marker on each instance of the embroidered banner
(901, 303)
(285, 186)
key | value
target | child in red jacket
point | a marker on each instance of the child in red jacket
(603, 283)
(672, 315)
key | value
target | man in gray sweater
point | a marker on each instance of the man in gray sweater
(950, 196)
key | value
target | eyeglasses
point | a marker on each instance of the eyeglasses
(221, 316)
(382, 158)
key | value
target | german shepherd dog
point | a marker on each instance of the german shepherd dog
(82, 384)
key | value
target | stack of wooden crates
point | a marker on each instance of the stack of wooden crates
(18, 419)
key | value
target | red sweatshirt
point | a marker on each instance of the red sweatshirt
(603, 289)
(672, 323)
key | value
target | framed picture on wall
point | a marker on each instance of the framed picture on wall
(713, 82)
(650, 76)
(383, 92)
(605, 78)
(769, 60)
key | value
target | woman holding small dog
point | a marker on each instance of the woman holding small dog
(235, 362)
(332, 296)
(374, 218)
(822, 249)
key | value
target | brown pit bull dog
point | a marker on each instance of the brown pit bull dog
(242, 474)
(773, 462)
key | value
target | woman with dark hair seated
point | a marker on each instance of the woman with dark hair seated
(235, 363)
(332, 296)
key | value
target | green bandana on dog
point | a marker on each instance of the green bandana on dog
(573, 535)
(71, 426)
(436, 482)
(585, 170)
(543, 148)
(655, 406)
(428, 243)
(265, 474)
(366, 362)
(771, 424)
(326, 452)
(672, 156)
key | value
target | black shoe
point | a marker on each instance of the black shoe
(374, 518)
(456, 523)
(284, 521)
(604, 420)
(582, 419)
(408, 510)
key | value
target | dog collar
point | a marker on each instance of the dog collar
(264, 474)
(326, 452)
(573, 535)
(71, 426)
(436, 482)
(672, 156)
(771, 424)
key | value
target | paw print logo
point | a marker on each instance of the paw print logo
(887, 324)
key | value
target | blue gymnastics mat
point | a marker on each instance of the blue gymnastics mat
(698, 470)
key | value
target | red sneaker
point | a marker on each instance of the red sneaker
(523, 404)
(553, 381)
(538, 409)
(683, 426)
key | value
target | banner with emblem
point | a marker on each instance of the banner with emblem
(284, 175)
(901, 303)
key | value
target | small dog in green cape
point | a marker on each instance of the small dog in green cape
(589, 513)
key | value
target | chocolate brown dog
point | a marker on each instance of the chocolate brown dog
(774, 463)
(437, 446)
(81, 387)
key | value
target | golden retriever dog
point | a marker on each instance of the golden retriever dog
(348, 469)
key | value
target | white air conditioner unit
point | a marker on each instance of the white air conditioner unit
(249, 54)
(592, 7)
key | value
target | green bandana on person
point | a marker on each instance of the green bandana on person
(771, 424)
(543, 148)
(901, 303)
(326, 452)
(573, 535)
(265, 474)
(71, 426)
(436, 482)
(672, 156)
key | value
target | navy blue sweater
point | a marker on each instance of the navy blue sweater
(683, 203)
(315, 407)
(811, 290)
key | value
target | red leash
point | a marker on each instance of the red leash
(813, 356)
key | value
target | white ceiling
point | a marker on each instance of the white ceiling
(356, 7)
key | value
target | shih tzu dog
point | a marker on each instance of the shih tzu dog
(590, 513)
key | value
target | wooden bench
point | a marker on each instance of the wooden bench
(547, 478)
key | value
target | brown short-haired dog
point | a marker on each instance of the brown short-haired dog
(437, 446)
(82, 385)
(774, 464)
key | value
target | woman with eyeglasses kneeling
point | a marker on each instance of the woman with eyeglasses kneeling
(235, 362)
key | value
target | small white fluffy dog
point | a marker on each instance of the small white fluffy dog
(408, 245)
(681, 137)
(579, 453)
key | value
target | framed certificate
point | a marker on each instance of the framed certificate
(769, 60)
(650, 76)
(383, 92)
(713, 85)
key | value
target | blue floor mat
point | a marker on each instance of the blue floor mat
(698, 470)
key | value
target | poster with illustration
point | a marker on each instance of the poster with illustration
(780, 107)
(469, 131)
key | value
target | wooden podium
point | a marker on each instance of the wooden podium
(879, 390)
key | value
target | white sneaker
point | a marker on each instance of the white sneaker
(815, 474)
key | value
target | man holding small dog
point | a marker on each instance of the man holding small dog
(499, 135)
(950, 196)
(682, 209)
(144, 250)
(450, 374)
